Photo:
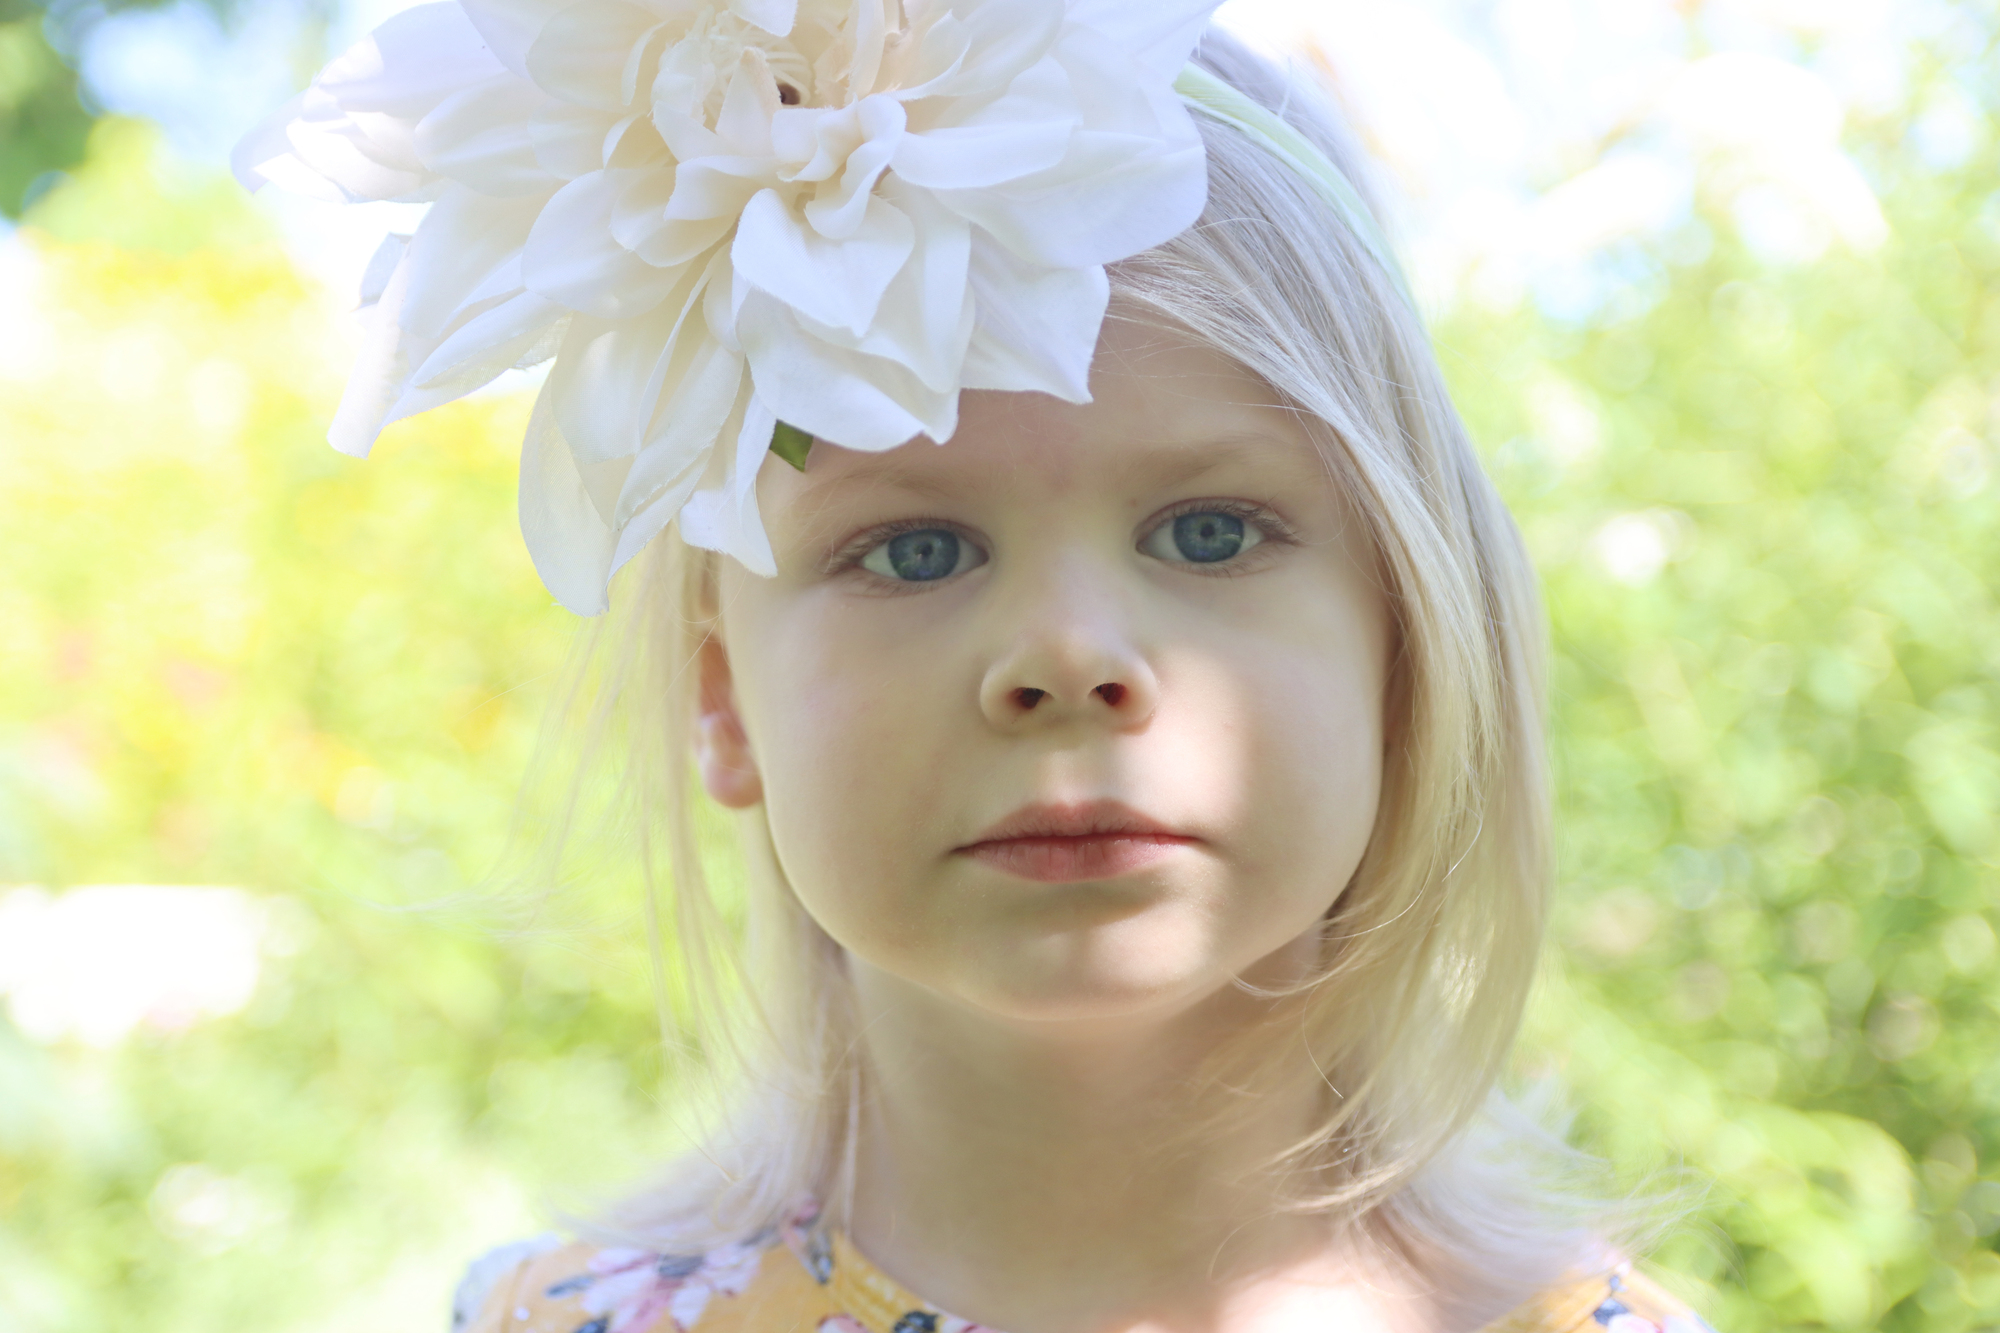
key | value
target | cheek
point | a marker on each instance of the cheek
(1287, 741)
(848, 740)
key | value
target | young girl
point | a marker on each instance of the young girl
(1127, 679)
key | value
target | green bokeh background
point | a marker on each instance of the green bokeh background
(231, 656)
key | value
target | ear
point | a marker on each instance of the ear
(721, 747)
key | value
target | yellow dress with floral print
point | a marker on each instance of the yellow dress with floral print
(806, 1278)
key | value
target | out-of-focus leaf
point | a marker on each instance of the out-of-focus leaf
(43, 126)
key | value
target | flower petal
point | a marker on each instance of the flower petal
(608, 377)
(380, 265)
(509, 27)
(691, 419)
(748, 107)
(1111, 197)
(832, 282)
(618, 184)
(853, 399)
(366, 156)
(484, 137)
(1024, 132)
(773, 16)
(569, 542)
(399, 373)
(1158, 36)
(648, 522)
(1115, 98)
(1000, 40)
(877, 127)
(460, 243)
(569, 140)
(1036, 327)
(713, 188)
(572, 257)
(381, 368)
(260, 156)
(489, 342)
(688, 1303)
(724, 517)
(583, 52)
(415, 60)
(452, 376)
(926, 317)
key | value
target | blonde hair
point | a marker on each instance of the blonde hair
(1428, 954)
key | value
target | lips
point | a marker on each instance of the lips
(1066, 844)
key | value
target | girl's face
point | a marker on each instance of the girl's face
(1076, 716)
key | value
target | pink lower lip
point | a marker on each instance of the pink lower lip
(1068, 860)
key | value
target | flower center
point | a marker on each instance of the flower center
(697, 67)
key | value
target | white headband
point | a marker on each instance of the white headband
(716, 217)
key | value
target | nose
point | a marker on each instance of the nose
(1069, 660)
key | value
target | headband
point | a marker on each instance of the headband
(735, 226)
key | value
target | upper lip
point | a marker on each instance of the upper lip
(1079, 819)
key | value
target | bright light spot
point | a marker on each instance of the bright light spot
(1949, 130)
(95, 963)
(1493, 120)
(1775, 128)
(219, 393)
(1565, 422)
(1634, 548)
(209, 1211)
(1627, 194)
(27, 343)
(1968, 942)
(1740, 99)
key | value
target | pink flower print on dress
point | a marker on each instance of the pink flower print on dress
(841, 1323)
(725, 1271)
(629, 1290)
(809, 1240)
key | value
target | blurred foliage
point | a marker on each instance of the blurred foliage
(1764, 501)
(1763, 496)
(46, 114)
(234, 656)
(43, 123)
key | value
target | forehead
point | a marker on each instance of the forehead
(1165, 411)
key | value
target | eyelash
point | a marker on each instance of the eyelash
(850, 555)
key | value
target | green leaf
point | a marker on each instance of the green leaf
(42, 124)
(791, 444)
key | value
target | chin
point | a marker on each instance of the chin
(1128, 970)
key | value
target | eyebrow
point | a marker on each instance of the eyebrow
(1184, 461)
(1195, 458)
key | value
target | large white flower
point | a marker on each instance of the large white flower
(715, 217)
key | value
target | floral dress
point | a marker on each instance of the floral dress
(804, 1277)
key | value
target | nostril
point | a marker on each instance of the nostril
(1028, 697)
(1111, 693)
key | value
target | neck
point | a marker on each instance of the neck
(1047, 1178)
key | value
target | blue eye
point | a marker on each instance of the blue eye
(923, 556)
(1203, 537)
